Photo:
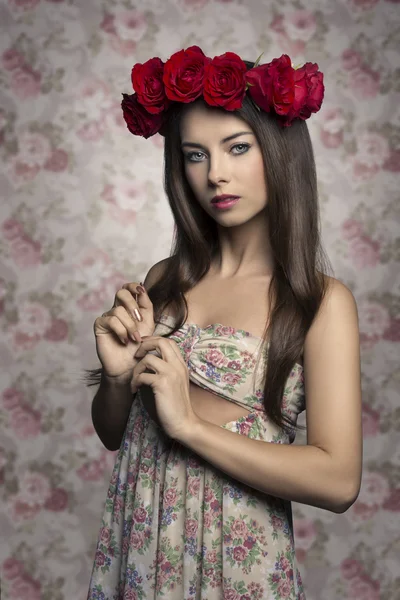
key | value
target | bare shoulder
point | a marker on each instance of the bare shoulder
(155, 272)
(338, 297)
(338, 307)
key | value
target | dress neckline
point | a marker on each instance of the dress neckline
(256, 337)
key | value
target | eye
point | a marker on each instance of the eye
(245, 146)
(190, 156)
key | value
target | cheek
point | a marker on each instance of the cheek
(256, 167)
(194, 177)
(253, 172)
(256, 179)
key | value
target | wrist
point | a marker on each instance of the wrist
(119, 381)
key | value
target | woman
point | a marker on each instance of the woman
(239, 328)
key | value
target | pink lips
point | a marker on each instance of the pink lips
(223, 198)
(226, 203)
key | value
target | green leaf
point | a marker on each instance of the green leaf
(258, 60)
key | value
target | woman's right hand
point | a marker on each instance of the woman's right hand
(115, 332)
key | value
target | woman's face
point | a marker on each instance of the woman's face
(215, 165)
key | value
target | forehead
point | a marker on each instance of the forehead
(200, 120)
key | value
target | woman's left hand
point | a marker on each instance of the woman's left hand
(170, 384)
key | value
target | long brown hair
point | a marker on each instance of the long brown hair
(298, 284)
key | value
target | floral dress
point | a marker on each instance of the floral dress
(177, 528)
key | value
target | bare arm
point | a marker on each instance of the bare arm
(110, 411)
(112, 403)
(326, 472)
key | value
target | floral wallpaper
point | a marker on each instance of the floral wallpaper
(83, 211)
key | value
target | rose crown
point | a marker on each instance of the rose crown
(278, 87)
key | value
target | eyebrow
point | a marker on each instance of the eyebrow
(227, 139)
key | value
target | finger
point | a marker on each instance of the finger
(129, 322)
(140, 302)
(150, 361)
(131, 287)
(126, 300)
(142, 379)
(167, 348)
(107, 323)
(141, 296)
(142, 369)
(122, 326)
(149, 368)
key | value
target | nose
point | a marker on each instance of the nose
(218, 170)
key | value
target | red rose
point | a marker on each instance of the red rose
(184, 74)
(224, 81)
(272, 85)
(138, 120)
(147, 81)
(309, 90)
(290, 92)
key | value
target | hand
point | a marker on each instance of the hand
(170, 384)
(118, 332)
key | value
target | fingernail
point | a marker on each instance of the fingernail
(137, 337)
(137, 314)
(140, 289)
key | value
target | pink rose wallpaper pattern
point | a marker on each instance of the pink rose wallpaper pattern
(82, 205)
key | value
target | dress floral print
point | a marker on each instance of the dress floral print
(176, 528)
